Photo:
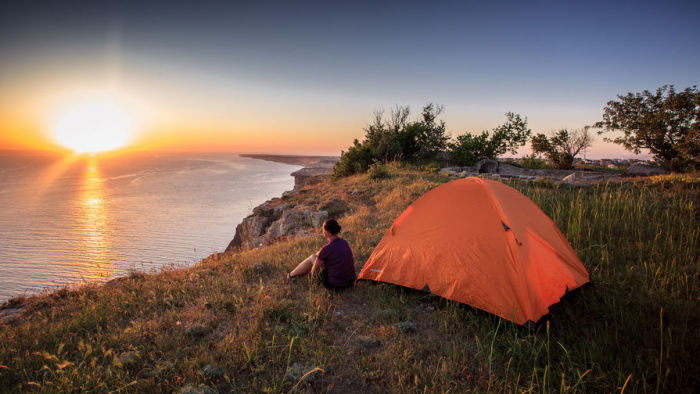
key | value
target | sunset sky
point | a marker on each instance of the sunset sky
(305, 77)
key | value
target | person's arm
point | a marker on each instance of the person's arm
(318, 266)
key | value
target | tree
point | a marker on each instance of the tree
(468, 149)
(396, 139)
(562, 146)
(666, 123)
(431, 135)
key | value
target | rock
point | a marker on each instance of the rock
(294, 222)
(406, 327)
(644, 170)
(302, 372)
(201, 389)
(278, 210)
(249, 232)
(489, 166)
(310, 176)
(509, 169)
(274, 220)
(253, 228)
(212, 371)
(463, 171)
(575, 177)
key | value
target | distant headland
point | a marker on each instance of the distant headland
(305, 161)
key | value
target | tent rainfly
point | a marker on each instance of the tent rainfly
(481, 243)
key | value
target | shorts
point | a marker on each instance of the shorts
(325, 281)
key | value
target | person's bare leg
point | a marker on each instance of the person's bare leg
(304, 267)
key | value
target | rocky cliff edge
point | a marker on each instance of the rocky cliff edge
(281, 218)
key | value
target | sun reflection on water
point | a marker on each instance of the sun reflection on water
(94, 226)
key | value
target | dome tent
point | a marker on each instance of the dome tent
(481, 243)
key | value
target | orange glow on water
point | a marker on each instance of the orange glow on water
(94, 224)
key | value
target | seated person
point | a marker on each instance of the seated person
(334, 264)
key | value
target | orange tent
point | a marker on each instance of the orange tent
(482, 243)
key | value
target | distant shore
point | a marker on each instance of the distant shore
(299, 160)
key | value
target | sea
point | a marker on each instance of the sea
(71, 220)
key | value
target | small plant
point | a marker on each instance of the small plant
(432, 168)
(377, 171)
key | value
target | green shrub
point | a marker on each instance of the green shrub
(533, 162)
(377, 171)
(356, 160)
(467, 149)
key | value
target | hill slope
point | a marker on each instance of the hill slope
(232, 324)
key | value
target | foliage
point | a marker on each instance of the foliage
(666, 123)
(377, 171)
(396, 139)
(562, 146)
(432, 168)
(533, 162)
(468, 149)
(356, 160)
(633, 330)
(678, 181)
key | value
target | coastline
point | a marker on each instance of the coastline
(276, 218)
(299, 160)
(314, 168)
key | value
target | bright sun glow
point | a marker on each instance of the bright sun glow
(91, 126)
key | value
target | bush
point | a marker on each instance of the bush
(533, 162)
(468, 149)
(356, 160)
(562, 160)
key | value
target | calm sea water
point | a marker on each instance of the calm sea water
(94, 219)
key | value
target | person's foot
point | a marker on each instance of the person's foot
(289, 276)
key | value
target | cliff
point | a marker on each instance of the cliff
(281, 218)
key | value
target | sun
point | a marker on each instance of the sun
(93, 126)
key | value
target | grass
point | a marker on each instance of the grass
(232, 324)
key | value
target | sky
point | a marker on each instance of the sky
(305, 77)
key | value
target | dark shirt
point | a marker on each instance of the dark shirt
(339, 262)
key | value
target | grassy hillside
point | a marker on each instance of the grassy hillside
(232, 324)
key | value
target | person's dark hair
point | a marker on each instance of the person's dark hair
(332, 226)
